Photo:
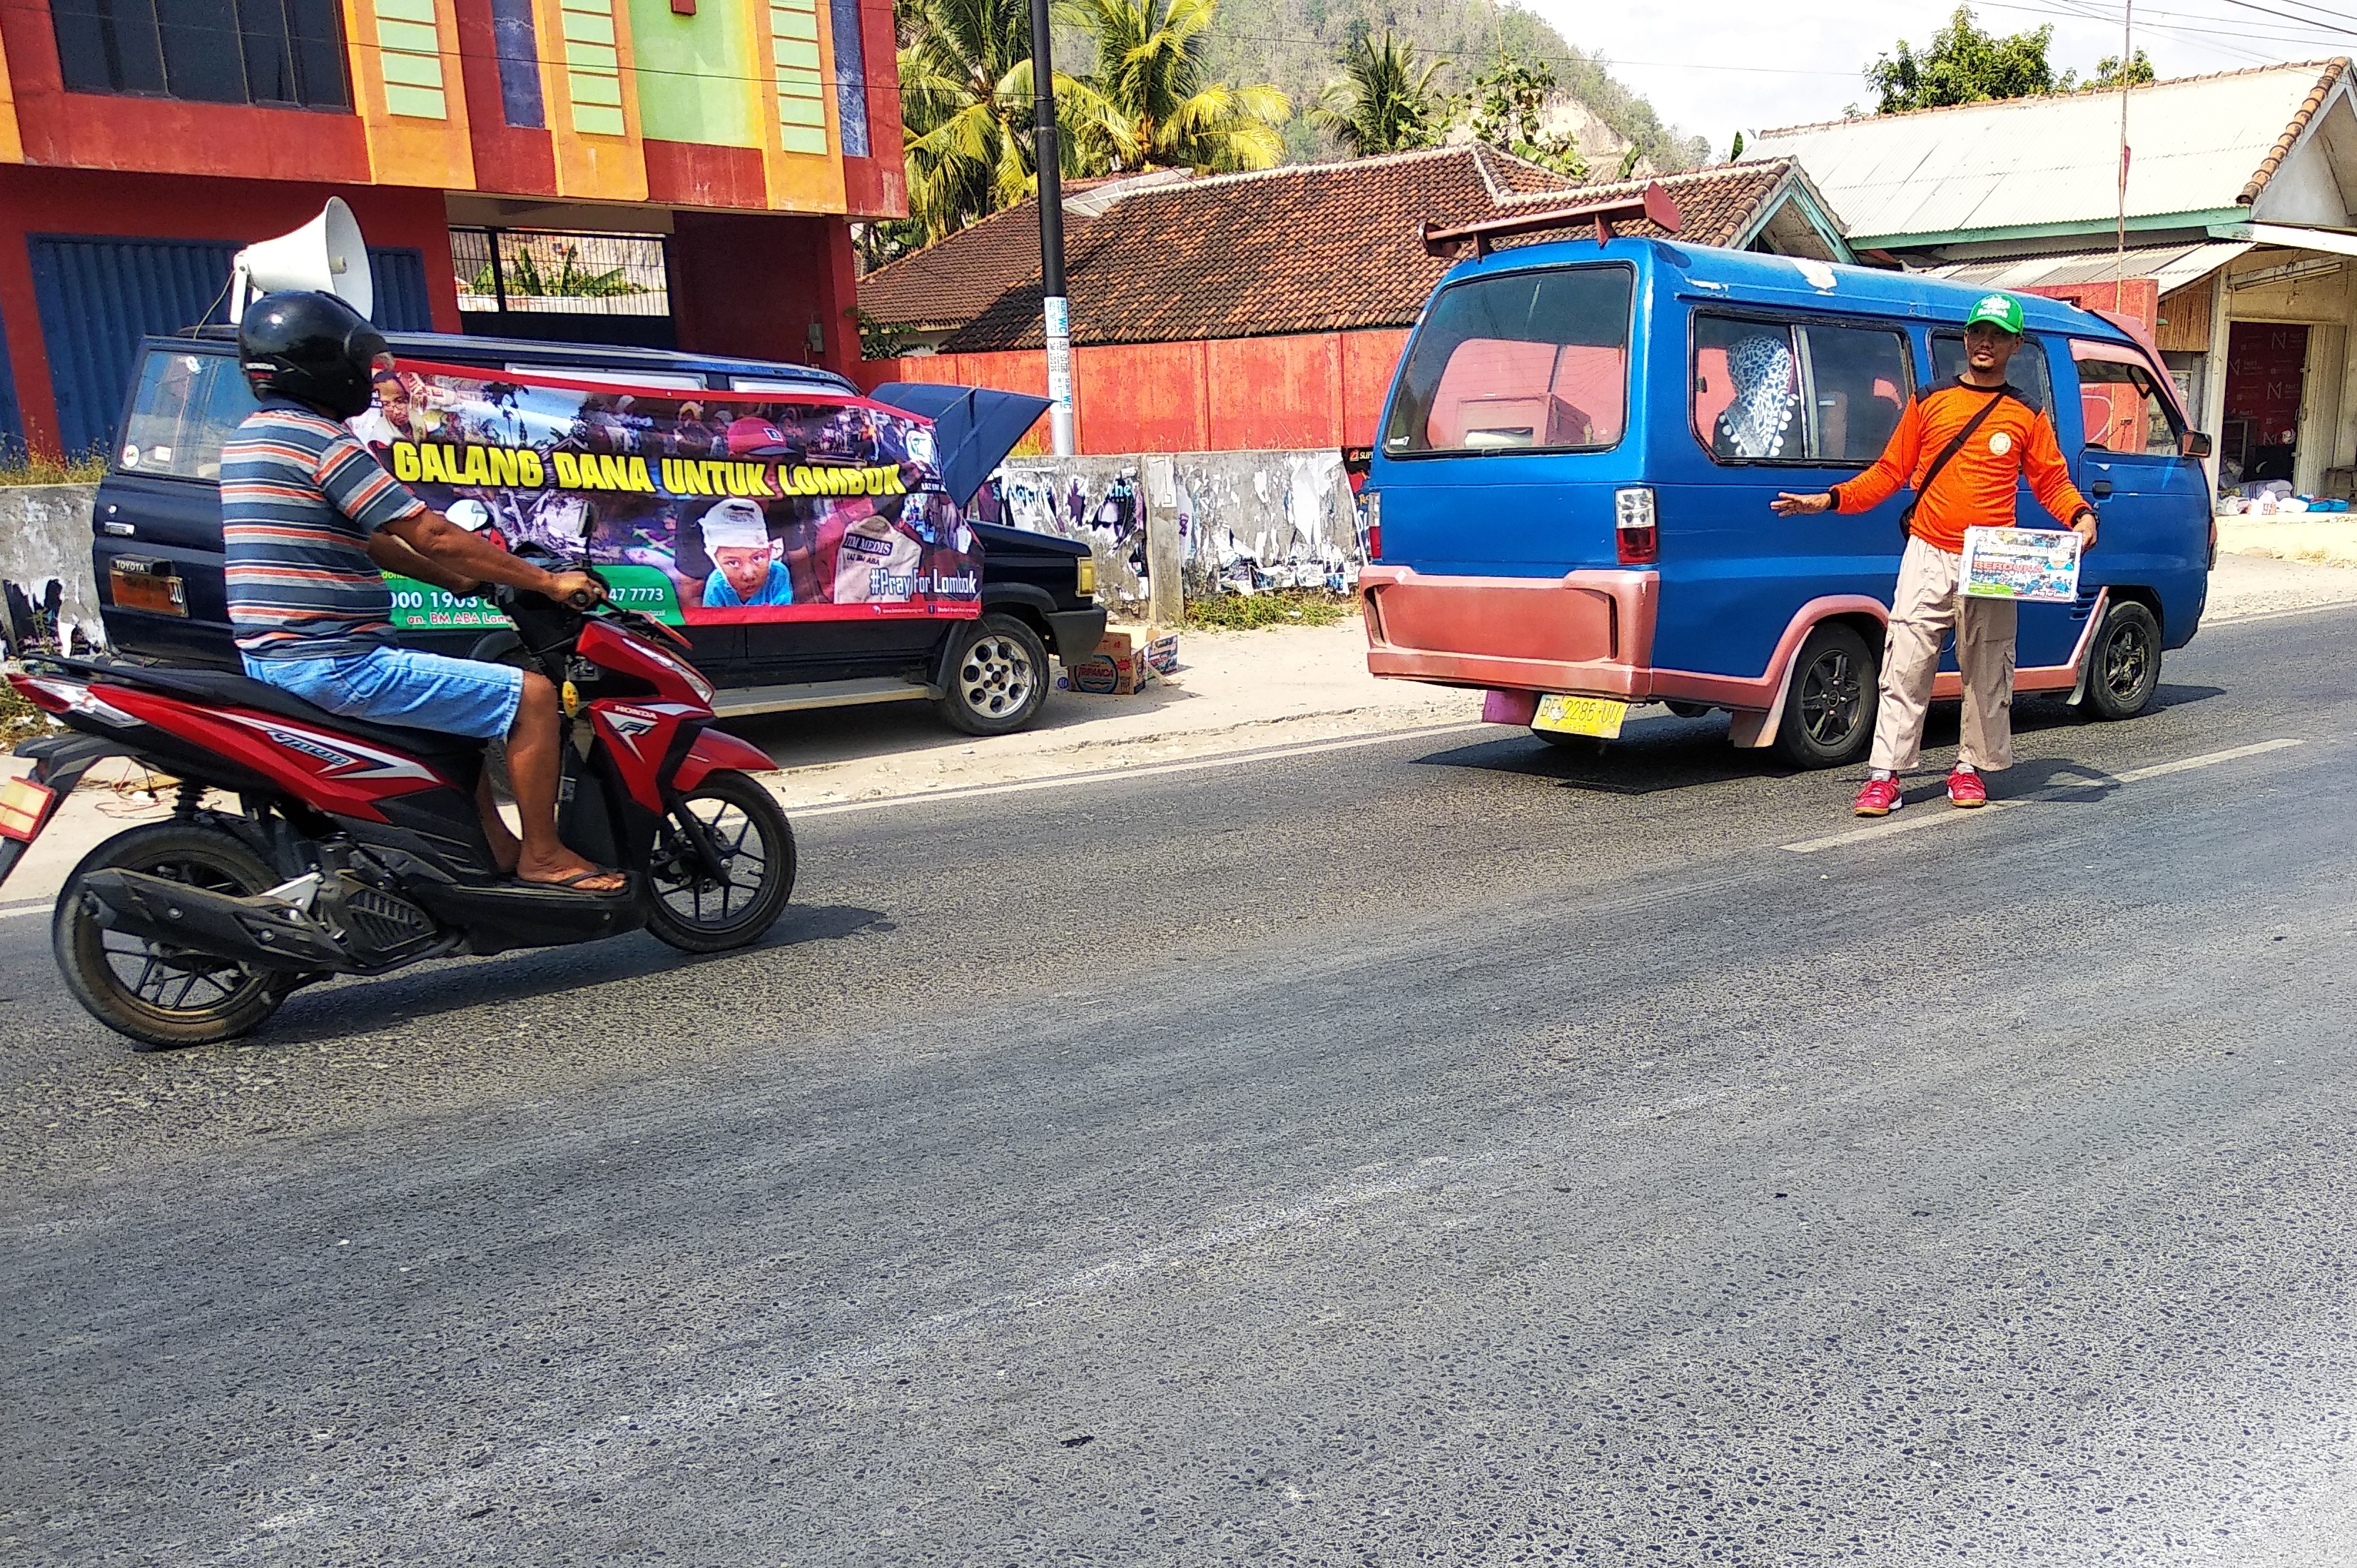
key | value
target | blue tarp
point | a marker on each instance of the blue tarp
(976, 426)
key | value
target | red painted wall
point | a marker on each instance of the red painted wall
(1368, 360)
(1274, 391)
(175, 206)
(751, 284)
(1230, 395)
(103, 131)
(1135, 402)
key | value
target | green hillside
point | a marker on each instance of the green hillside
(1294, 44)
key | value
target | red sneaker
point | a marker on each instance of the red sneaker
(1879, 799)
(1965, 790)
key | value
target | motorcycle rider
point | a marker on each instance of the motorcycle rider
(311, 524)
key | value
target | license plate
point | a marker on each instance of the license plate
(1597, 716)
(24, 807)
(159, 593)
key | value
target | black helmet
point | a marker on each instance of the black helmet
(312, 348)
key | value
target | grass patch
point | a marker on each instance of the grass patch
(19, 720)
(1249, 612)
(36, 470)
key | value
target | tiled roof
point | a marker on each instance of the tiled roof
(1309, 248)
(2333, 71)
(954, 280)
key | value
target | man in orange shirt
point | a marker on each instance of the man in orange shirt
(1974, 489)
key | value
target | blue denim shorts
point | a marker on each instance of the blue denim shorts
(402, 686)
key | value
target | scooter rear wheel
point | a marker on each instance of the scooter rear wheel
(159, 995)
(693, 912)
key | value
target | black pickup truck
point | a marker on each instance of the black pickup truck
(159, 537)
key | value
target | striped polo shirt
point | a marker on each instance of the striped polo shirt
(299, 499)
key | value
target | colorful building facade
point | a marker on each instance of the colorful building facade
(668, 172)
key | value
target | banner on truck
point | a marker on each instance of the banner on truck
(698, 507)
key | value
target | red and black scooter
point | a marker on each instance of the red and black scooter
(357, 849)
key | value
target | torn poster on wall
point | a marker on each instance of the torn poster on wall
(1247, 522)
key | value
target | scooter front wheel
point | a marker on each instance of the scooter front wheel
(158, 994)
(747, 833)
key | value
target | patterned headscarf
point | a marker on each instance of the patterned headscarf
(1761, 369)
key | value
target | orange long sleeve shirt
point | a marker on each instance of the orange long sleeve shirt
(1976, 488)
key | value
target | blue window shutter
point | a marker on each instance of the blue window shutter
(402, 303)
(97, 297)
(850, 76)
(12, 417)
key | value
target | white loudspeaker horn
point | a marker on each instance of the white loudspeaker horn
(327, 255)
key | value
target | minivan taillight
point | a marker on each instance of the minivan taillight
(1639, 541)
(1375, 502)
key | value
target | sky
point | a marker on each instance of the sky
(1714, 67)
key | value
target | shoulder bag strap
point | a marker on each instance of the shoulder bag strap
(1907, 518)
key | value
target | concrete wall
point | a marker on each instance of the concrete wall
(44, 556)
(1276, 519)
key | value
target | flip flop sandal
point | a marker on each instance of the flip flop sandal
(573, 884)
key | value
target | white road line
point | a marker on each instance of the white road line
(2208, 760)
(1935, 819)
(24, 909)
(1120, 775)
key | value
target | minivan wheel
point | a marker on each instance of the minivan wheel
(1829, 709)
(997, 678)
(2124, 666)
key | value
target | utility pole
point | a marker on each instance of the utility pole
(2120, 255)
(1053, 302)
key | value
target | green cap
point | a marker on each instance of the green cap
(2000, 310)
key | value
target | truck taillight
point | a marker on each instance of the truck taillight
(1375, 502)
(1640, 542)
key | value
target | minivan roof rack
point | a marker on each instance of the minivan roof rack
(1653, 203)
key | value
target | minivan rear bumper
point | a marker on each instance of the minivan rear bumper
(1589, 632)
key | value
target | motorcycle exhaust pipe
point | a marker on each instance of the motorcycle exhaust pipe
(267, 933)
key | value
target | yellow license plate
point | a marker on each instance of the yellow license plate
(1597, 716)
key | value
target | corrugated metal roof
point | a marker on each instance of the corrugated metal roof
(2031, 162)
(2171, 266)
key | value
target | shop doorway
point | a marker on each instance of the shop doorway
(2266, 365)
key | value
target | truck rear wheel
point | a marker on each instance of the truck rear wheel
(1829, 707)
(998, 679)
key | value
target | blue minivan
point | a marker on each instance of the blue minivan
(1568, 498)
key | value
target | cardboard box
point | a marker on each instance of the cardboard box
(1114, 670)
(1161, 655)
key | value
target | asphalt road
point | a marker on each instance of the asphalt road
(1441, 1150)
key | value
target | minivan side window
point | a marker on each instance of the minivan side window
(1806, 391)
(2028, 373)
(2120, 405)
(185, 407)
(1522, 361)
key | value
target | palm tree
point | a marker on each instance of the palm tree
(965, 81)
(1382, 103)
(1160, 111)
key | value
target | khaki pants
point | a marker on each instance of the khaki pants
(1928, 604)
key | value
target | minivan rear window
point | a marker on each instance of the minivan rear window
(1528, 361)
(185, 407)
